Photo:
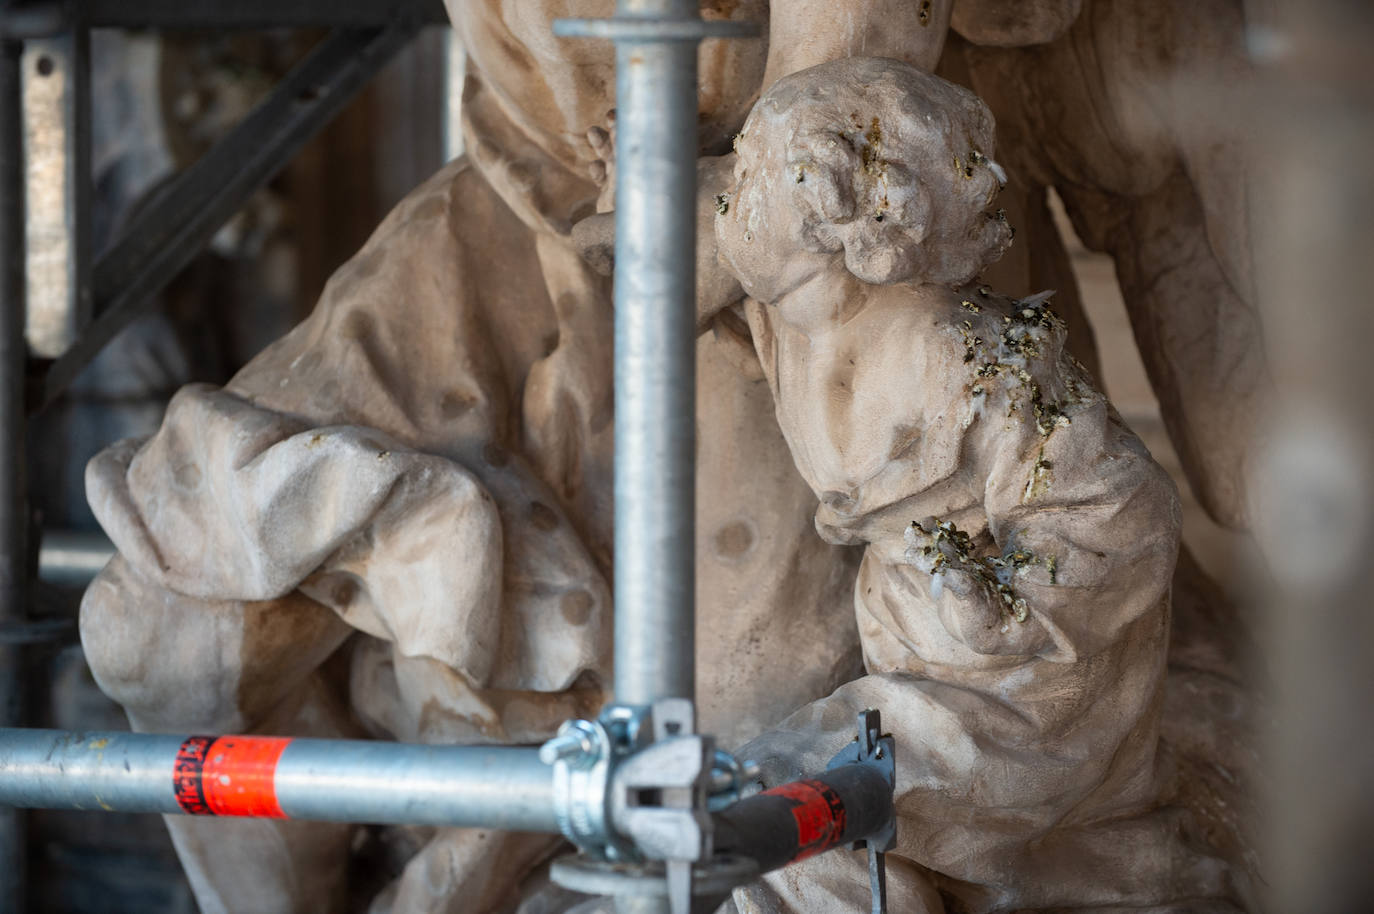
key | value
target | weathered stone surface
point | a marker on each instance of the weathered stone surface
(1126, 115)
(1013, 600)
(421, 471)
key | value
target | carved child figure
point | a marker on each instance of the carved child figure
(1013, 599)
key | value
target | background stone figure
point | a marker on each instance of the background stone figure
(396, 520)
(1122, 110)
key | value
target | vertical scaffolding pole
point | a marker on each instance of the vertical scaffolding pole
(655, 399)
(655, 356)
(13, 494)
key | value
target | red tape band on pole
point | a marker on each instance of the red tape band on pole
(819, 814)
(229, 776)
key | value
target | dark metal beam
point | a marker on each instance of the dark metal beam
(257, 14)
(181, 220)
(13, 488)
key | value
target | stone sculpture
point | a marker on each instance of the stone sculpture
(396, 520)
(427, 381)
(1123, 109)
(1013, 599)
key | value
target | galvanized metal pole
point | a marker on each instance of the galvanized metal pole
(655, 386)
(72, 558)
(500, 787)
(655, 355)
(13, 491)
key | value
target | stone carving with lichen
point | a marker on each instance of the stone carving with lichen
(1013, 598)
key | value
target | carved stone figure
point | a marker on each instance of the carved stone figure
(396, 520)
(1123, 109)
(426, 460)
(1013, 598)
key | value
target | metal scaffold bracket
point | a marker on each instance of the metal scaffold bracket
(871, 747)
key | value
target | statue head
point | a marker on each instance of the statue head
(869, 160)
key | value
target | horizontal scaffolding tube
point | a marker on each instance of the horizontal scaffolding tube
(496, 787)
(73, 558)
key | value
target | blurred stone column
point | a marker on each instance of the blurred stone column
(1314, 231)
